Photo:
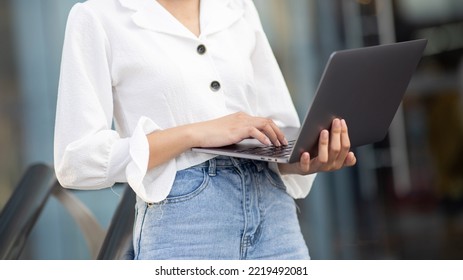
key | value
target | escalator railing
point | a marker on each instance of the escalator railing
(22, 210)
(25, 205)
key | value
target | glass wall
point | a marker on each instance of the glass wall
(403, 200)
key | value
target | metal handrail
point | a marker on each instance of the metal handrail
(118, 242)
(24, 207)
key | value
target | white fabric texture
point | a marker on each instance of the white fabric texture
(130, 68)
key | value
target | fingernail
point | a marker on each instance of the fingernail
(285, 141)
(267, 142)
(325, 134)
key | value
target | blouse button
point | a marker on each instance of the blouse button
(201, 49)
(215, 86)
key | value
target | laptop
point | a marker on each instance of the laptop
(364, 86)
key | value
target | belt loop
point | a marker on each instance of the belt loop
(212, 167)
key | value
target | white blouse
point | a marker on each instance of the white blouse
(130, 68)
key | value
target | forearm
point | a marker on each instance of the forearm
(284, 169)
(170, 143)
(294, 168)
(167, 144)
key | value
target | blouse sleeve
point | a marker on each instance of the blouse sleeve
(273, 95)
(88, 153)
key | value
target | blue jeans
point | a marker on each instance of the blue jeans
(225, 208)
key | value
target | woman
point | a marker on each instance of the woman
(144, 81)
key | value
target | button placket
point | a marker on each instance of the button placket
(214, 85)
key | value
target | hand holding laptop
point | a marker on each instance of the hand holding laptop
(333, 153)
(333, 148)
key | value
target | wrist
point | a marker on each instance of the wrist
(194, 135)
(291, 169)
(283, 168)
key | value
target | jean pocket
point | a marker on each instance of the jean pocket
(274, 179)
(188, 183)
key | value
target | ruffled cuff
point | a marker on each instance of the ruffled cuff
(150, 185)
(297, 186)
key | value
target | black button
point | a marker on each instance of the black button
(215, 86)
(201, 49)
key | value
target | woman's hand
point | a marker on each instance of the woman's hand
(169, 143)
(333, 153)
(233, 128)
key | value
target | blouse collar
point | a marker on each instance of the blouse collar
(215, 15)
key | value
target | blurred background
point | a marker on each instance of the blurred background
(403, 200)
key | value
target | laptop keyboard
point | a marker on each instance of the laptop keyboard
(271, 151)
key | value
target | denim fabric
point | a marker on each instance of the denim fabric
(226, 208)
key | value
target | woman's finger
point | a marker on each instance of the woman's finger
(273, 132)
(351, 160)
(261, 137)
(335, 141)
(304, 163)
(345, 145)
(323, 144)
(269, 130)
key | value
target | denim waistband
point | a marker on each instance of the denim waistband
(227, 162)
